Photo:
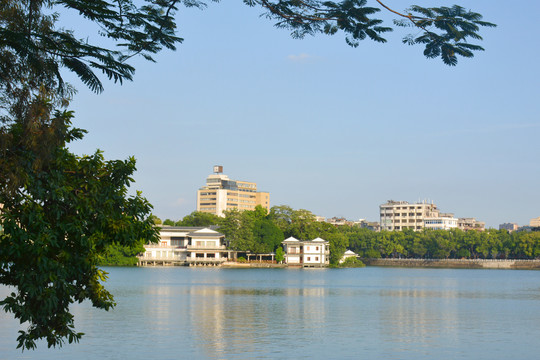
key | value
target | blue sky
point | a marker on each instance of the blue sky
(326, 127)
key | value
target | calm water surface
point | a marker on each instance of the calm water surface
(369, 313)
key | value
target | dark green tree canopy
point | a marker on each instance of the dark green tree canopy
(198, 218)
(56, 227)
(31, 33)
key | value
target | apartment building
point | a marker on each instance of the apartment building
(535, 222)
(401, 215)
(471, 224)
(222, 193)
(509, 226)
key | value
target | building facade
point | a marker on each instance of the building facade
(466, 224)
(442, 222)
(221, 193)
(509, 227)
(535, 222)
(401, 215)
(312, 253)
(186, 246)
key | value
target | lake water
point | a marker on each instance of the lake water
(367, 313)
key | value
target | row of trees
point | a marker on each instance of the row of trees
(444, 244)
(260, 231)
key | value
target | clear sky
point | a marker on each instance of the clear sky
(330, 128)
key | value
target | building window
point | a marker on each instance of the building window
(308, 258)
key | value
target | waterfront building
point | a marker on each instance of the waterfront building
(312, 253)
(186, 246)
(509, 227)
(535, 222)
(466, 224)
(401, 215)
(222, 193)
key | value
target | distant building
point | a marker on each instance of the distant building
(370, 225)
(509, 227)
(313, 253)
(471, 224)
(221, 193)
(400, 215)
(441, 222)
(535, 222)
(339, 221)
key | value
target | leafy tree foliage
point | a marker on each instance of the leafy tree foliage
(352, 262)
(238, 229)
(31, 37)
(61, 212)
(338, 245)
(267, 236)
(444, 244)
(444, 31)
(29, 32)
(280, 254)
(198, 218)
(122, 255)
(57, 223)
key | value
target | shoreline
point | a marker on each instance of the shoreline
(456, 263)
(508, 264)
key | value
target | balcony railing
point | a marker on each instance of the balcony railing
(206, 247)
(160, 258)
(208, 260)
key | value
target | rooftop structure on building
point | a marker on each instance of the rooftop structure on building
(222, 193)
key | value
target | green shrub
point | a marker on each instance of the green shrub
(352, 262)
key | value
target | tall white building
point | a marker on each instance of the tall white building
(222, 193)
(401, 215)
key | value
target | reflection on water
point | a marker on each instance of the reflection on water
(171, 313)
